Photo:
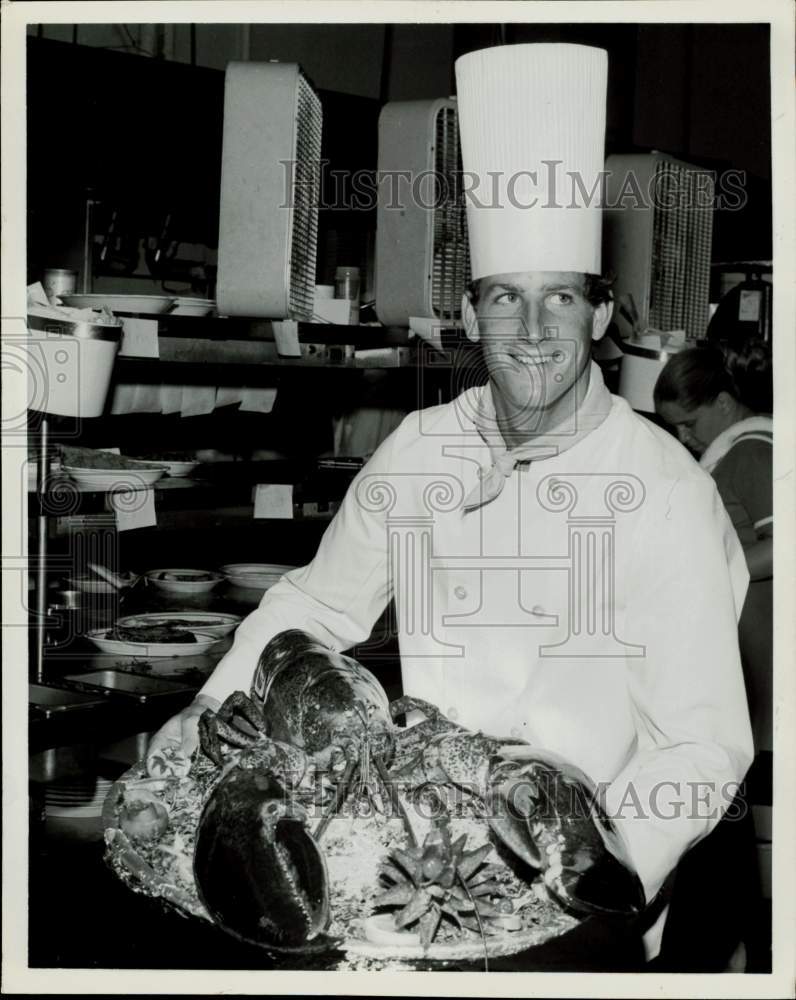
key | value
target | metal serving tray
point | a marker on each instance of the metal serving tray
(51, 700)
(111, 682)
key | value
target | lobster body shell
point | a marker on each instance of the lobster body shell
(313, 697)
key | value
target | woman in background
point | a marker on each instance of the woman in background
(719, 402)
(712, 399)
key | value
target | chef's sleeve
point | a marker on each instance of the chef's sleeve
(694, 740)
(337, 597)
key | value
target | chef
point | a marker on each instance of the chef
(562, 570)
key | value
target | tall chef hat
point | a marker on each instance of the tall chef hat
(532, 127)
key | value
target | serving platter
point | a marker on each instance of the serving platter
(204, 642)
(353, 848)
(208, 622)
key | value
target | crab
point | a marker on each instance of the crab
(316, 719)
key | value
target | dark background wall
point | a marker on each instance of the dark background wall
(135, 113)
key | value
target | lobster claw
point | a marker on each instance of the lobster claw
(546, 810)
(258, 871)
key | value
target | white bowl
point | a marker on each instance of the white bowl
(171, 586)
(193, 307)
(110, 479)
(148, 304)
(254, 576)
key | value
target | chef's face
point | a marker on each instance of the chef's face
(697, 428)
(536, 330)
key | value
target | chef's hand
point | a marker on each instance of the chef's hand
(170, 749)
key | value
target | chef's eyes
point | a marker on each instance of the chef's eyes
(554, 299)
(507, 299)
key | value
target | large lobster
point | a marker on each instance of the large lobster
(316, 714)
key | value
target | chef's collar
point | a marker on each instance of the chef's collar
(589, 415)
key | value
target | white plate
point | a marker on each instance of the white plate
(211, 623)
(203, 643)
(110, 479)
(150, 304)
(192, 307)
(254, 576)
(177, 469)
(154, 576)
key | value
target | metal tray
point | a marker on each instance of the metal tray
(50, 700)
(112, 682)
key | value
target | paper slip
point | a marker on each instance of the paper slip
(134, 509)
(273, 500)
(286, 337)
(139, 338)
(257, 400)
(198, 400)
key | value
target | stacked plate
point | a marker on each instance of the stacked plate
(185, 306)
(75, 807)
(254, 576)
(177, 469)
(142, 304)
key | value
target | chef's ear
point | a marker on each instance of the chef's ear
(469, 318)
(600, 319)
(725, 402)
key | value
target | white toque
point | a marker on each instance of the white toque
(532, 127)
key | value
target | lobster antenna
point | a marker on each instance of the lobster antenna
(395, 798)
(342, 791)
(469, 895)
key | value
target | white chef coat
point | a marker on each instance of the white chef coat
(652, 707)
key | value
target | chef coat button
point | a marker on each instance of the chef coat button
(460, 592)
(453, 715)
(537, 609)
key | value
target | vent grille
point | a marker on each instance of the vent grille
(304, 199)
(682, 237)
(451, 252)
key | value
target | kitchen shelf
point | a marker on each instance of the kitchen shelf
(225, 485)
(241, 347)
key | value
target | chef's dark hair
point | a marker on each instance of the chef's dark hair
(697, 376)
(597, 289)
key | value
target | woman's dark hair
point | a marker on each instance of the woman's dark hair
(696, 376)
(752, 371)
(596, 289)
(693, 378)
